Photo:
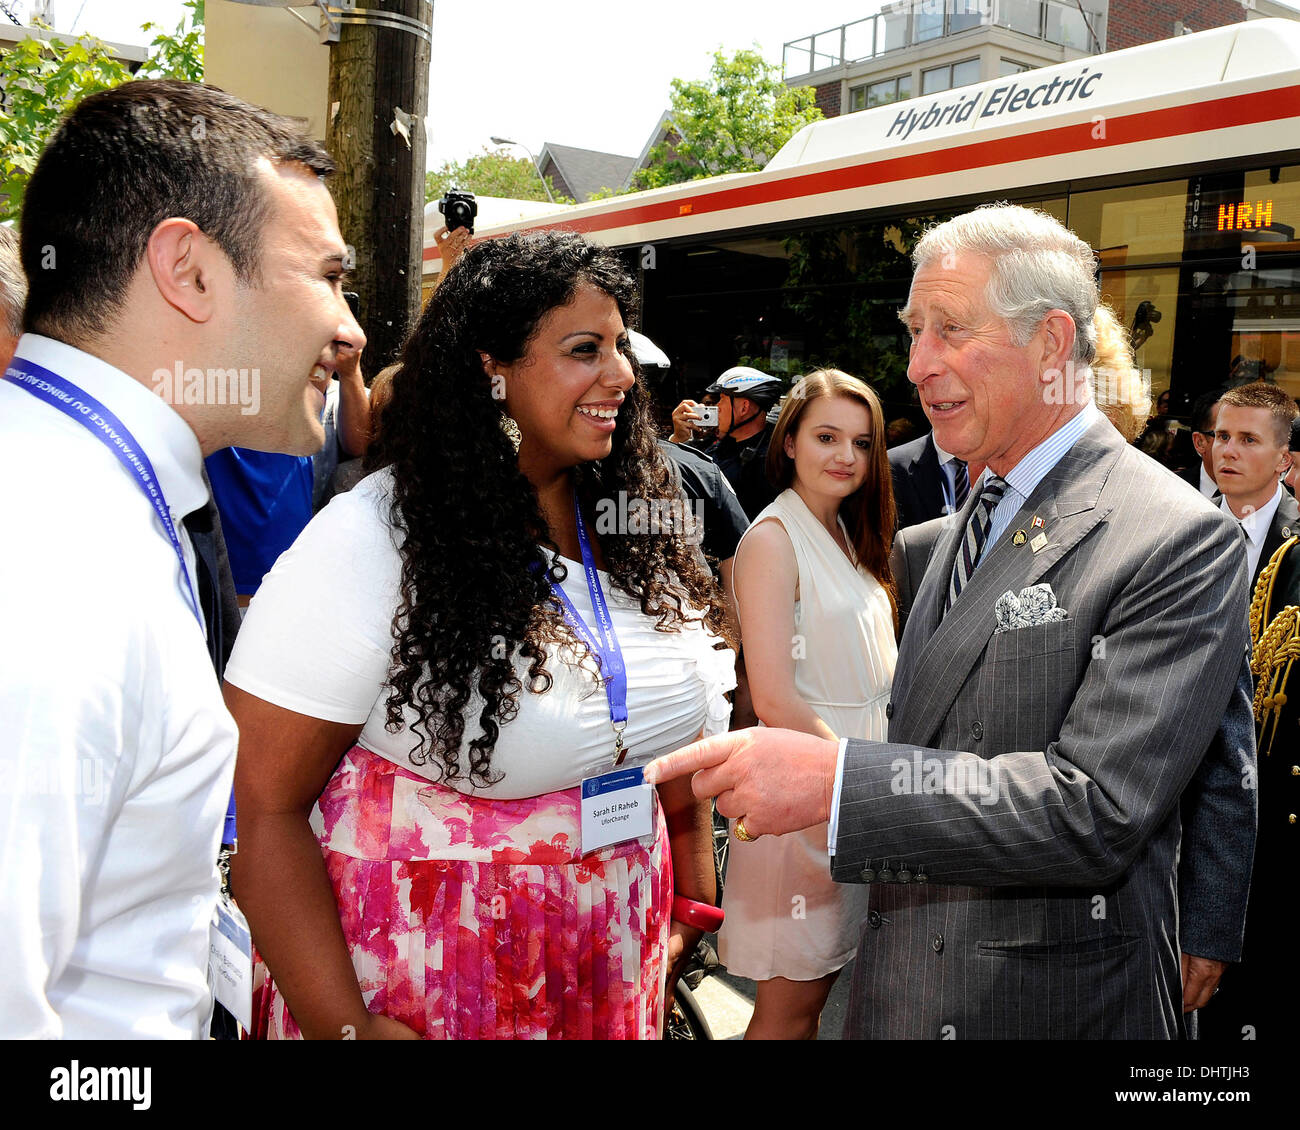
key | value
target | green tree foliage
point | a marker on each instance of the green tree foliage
(44, 79)
(843, 288)
(733, 122)
(494, 172)
(177, 54)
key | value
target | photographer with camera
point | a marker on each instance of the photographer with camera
(458, 209)
(743, 431)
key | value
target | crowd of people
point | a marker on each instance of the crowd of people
(980, 709)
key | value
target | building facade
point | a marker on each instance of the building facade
(916, 48)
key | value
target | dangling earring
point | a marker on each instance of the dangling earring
(511, 430)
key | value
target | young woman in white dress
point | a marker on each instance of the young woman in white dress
(817, 614)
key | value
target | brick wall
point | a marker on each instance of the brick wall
(828, 99)
(1144, 21)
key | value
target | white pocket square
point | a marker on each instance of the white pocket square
(1032, 606)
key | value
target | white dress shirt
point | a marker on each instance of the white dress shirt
(1255, 526)
(1208, 486)
(116, 751)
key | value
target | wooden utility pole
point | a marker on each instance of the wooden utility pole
(378, 95)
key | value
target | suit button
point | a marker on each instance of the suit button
(936, 943)
(904, 876)
(977, 729)
(873, 919)
(889, 710)
(922, 877)
(868, 876)
(887, 876)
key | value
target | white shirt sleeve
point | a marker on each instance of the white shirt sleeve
(833, 827)
(317, 638)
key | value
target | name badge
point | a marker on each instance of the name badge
(616, 807)
(230, 962)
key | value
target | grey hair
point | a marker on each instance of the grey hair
(1038, 265)
(13, 283)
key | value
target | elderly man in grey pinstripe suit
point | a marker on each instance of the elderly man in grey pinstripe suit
(1067, 661)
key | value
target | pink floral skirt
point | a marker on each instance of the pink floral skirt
(477, 919)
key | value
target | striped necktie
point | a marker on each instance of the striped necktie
(960, 484)
(977, 533)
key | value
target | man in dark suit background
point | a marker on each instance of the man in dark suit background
(1251, 457)
(1253, 434)
(928, 481)
(1201, 475)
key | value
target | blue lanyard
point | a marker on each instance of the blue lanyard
(603, 643)
(80, 406)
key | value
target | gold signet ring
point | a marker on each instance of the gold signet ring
(742, 833)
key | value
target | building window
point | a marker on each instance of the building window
(965, 14)
(927, 22)
(965, 72)
(1024, 16)
(1011, 67)
(880, 93)
(948, 77)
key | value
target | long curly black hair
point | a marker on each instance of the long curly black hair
(475, 587)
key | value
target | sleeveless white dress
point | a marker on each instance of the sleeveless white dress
(785, 917)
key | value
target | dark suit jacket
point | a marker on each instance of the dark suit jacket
(1219, 817)
(1048, 907)
(918, 481)
(1286, 521)
(1192, 475)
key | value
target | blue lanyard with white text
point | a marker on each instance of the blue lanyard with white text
(80, 406)
(604, 643)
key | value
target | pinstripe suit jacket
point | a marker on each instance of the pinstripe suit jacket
(1041, 900)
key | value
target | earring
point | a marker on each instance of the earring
(512, 432)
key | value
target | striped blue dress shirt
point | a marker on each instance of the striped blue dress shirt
(1031, 470)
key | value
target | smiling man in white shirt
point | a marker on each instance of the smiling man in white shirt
(185, 269)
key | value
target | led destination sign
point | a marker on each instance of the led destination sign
(1245, 215)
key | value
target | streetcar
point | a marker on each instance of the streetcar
(1178, 161)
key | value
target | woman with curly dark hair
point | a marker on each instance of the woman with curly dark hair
(505, 618)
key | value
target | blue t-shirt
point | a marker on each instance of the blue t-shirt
(265, 503)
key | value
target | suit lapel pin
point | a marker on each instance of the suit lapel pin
(1036, 524)
(1019, 538)
(1040, 540)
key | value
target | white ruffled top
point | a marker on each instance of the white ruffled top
(318, 636)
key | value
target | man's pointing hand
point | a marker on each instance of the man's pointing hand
(778, 781)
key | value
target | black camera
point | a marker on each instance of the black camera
(459, 208)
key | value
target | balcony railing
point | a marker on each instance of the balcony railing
(914, 22)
